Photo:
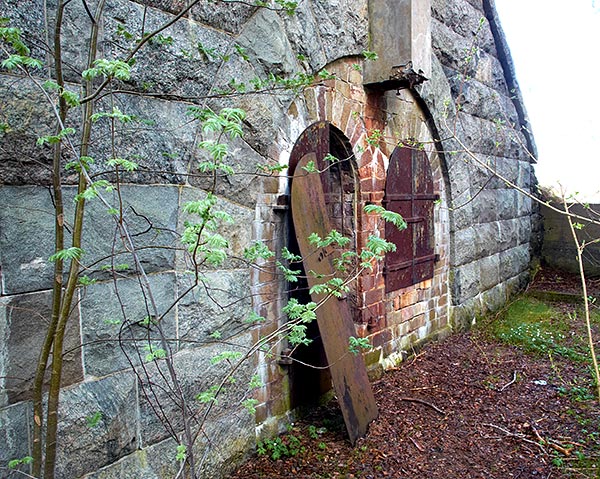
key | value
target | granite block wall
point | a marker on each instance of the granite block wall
(468, 114)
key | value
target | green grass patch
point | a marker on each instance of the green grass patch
(540, 328)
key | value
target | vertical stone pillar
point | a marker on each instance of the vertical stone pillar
(399, 32)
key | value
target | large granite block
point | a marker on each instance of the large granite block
(27, 319)
(197, 372)
(15, 425)
(219, 304)
(117, 322)
(98, 425)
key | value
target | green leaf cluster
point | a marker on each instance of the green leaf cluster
(154, 354)
(93, 190)
(82, 161)
(228, 120)
(116, 114)
(210, 395)
(254, 318)
(356, 344)
(12, 36)
(14, 463)
(109, 69)
(374, 137)
(250, 405)
(70, 97)
(202, 237)
(369, 55)
(290, 275)
(94, 419)
(332, 238)
(180, 453)
(335, 286)
(66, 254)
(258, 250)
(124, 164)
(303, 313)
(389, 216)
(226, 356)
(52, 139)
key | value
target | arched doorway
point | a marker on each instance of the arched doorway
(340, 187)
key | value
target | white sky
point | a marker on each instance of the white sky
(555, 46)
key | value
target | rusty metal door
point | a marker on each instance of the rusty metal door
(334, 316)
(409, 191)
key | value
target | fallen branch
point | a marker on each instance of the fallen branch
(422, 401)
(550, 442)
(518, 436)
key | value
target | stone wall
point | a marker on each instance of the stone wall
(483, 226)
(559, 250)
(491, 222)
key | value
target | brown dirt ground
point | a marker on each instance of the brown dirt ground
(468, 407)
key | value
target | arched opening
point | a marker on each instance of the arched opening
(340, 187)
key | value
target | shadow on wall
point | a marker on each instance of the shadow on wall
(559, 249)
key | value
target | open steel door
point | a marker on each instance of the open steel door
(334, 316)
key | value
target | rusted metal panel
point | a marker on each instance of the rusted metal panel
(315, 139)
(334, 316)
(409, 192)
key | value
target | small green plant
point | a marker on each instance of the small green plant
(280, 447)
(181, 453)
(250, 405)
(576, 393)
(154, 354)
(356, 344)
(94, 419)
(14, 463)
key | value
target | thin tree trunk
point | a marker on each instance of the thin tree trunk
(65, 303)
(38, 385)
(586, 302)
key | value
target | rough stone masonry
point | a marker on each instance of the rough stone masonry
(482, 233)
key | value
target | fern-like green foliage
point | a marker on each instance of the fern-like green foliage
(332, 238)
(210, 395)
(180, 453)
(116, 113)
(296, 311)
(226, 356)
(93, 190)
(356, 344)
(290, 275)
(288, 255)
(67, 254)
(126, 165)
(258, 250)
(389, 216)
(52, 139)
(335, 286)
(109, 69)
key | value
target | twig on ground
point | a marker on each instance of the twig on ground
(417, 445)
(550, 442)
(422, 401)
(424, 387)
(511, 382)
(518, 436)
